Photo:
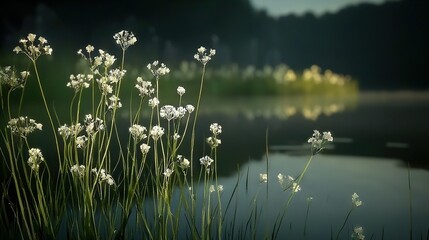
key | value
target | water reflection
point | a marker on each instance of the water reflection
(382, 185)
(309, 107)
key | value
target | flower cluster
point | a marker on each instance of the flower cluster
(66, 131)
(170, 112)
(358, 233)
(144, 87)
(114, 102)
(153, 102)
(144, 148)
(214, 141)
(158, 71)
(356, 202)
(137, 132)
(104, 59)
(125, 39)
(219, 188)
(9, 76)
(156, 132)
(92, 126)
(103, 176)
(202, 56)
(287, 182)
(105, 82)
(319, 140)
(206, 161)
(78, 170)
(181, 90)
(183, 162)
(35, 158)
(80, 81)
(263, 177)
(23, 126)
(81, 141)
(89, 49)
(33, 48)
(167, 173)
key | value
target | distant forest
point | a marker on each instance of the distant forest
(385, 47)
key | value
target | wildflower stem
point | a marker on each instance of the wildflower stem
(47, 109)
(344, 223)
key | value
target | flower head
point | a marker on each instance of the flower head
(158, 71)
(153, 102)
(356, 202)
(181, 90)
(202, 56)
(358, 233)
(216, 129)
(144, 148)
(78, 170)
(167, 173)
(125, 39)
(206, 161)
(137, 132)
(10, 77)
(80, 81)
(183, 162)
(33, 48)
(35, 158)
(318, 141)
(103, 177)
(114, 102)
(263, 177)
(93, 125)
(144, 87)
(23, 126)
(156, 132)
(168, 112)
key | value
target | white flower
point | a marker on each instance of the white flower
(263, 177)
(206, 161)
(212, 188)
(190, 108)
(358, 233)
(216, 129)
(81, 141)
(318, 141)
(22, 126)
(295, 187)
(355, 200)
(158, 71)
(153, 102)
(78, 171)
(167, 173)
(10, 76)
(125, 39)
(144, 148)
(202, 56)
(35, 158)
(220, 188)
(33, 49)
(144, 87)
(183, 162)
(168, 112)
(213, 142)
(181, 90)
(115, 102)
(137, 132)
(103, 176)
(79, 81)
(157, 132)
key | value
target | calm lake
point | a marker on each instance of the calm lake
(376, 137)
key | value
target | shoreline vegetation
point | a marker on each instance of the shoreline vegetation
(104, 183)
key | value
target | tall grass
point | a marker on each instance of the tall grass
(114, 181)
